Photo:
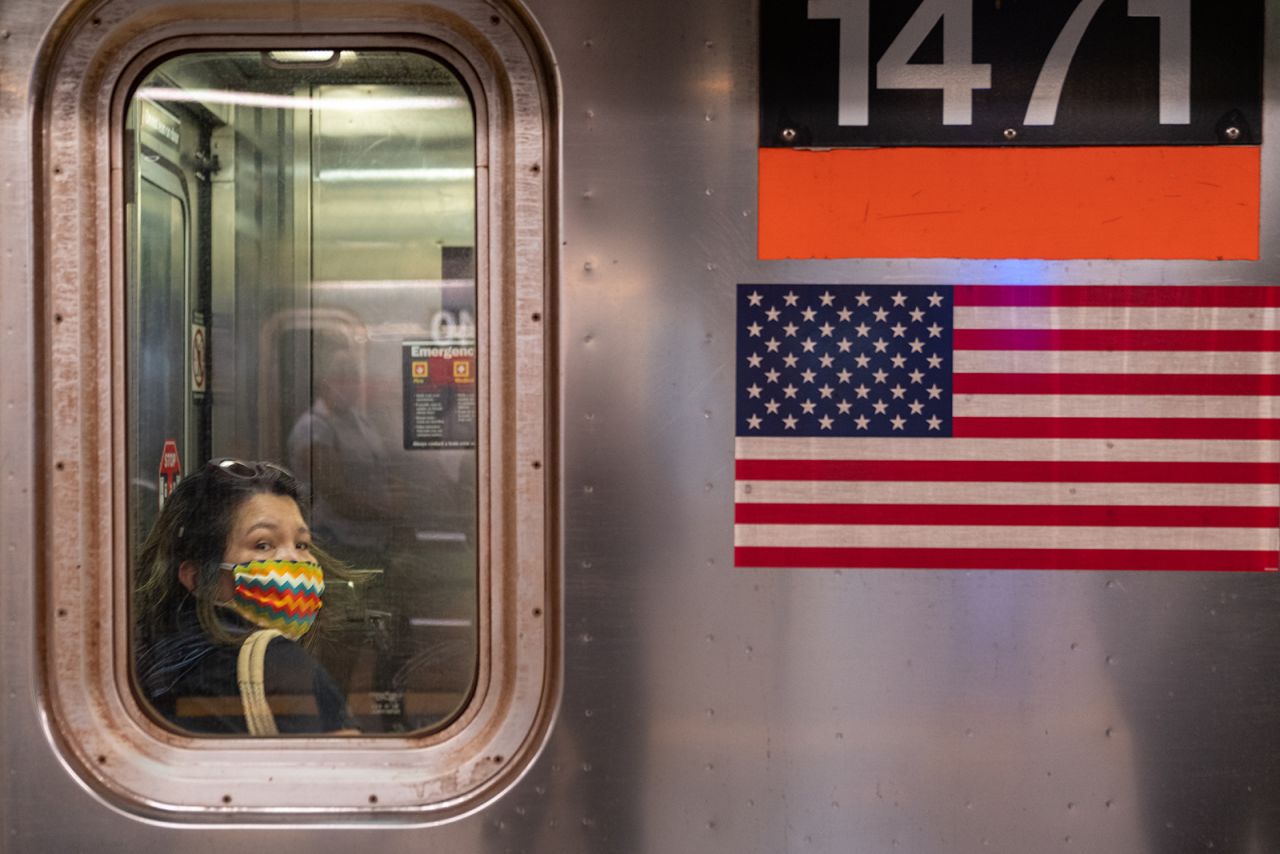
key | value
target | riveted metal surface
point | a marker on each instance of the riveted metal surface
(711, 709)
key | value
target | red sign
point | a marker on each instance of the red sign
(170, 470)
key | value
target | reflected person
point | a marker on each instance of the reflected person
(229, 557)
(340, 450)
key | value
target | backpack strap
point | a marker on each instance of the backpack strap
(249, 673)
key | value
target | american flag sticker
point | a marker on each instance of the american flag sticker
(1008, 427)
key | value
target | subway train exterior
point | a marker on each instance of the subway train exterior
(743, 425)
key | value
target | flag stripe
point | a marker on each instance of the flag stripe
(1025, 471)
(1118, 428)
(1007, 537)
(1111, 407)
(1008, 514)
(974, 492)
(1114, 317)
(1063, 450)
(1197, 560)
(1119, 384)
(1099, 362)
(1193, 340)
(1136, 296)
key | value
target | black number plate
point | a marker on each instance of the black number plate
(1021, 72)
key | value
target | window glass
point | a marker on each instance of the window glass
(302, 391)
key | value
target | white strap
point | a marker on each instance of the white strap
(249, 673)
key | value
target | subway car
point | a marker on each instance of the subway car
(709, 426)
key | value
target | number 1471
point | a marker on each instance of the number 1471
(958, 75)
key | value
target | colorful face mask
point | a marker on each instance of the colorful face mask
(278, 594)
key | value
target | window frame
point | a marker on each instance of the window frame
(111, 741)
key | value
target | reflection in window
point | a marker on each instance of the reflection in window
(302, 296)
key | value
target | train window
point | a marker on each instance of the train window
(299, 289)
(302, 300)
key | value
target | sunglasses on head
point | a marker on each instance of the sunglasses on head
(246, 469)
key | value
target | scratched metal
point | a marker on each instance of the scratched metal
(713, 710)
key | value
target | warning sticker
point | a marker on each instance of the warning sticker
(199, 362)
(439, 394)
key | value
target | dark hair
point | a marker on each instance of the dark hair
(194, 525)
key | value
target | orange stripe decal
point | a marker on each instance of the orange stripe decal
(1168, 202)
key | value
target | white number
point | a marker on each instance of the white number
(1175, 60)
(446, 326)
(957, 76)
(1175, 55)
(1043, 109)
(855, 23)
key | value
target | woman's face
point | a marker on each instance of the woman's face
(267, 527)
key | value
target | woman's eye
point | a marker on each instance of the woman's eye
(304, 547)
(263, 546)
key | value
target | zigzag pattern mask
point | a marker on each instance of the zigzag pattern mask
(278, 594)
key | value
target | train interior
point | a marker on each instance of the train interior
(298, 220)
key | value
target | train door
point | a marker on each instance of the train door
(168, 298)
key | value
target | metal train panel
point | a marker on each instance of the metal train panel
(706, 707)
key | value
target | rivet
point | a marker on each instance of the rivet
(1010, 134)
(1232, 133)
(788, 134)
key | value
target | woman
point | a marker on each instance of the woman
(229, 556)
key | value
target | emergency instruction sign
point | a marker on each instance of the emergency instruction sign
(439, 394)
(998, 72)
